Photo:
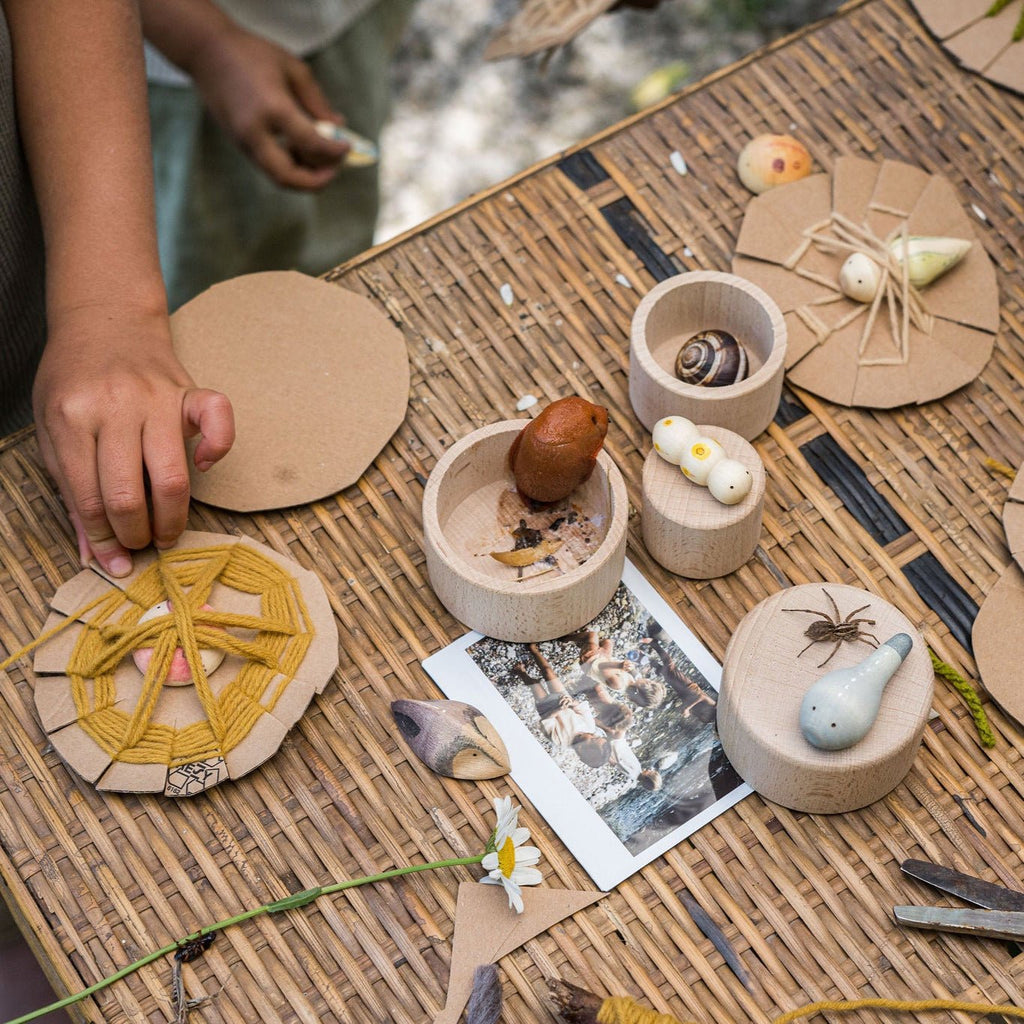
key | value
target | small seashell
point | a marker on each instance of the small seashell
(859, 277)
(771, 160)
(699, 459)
(451, 738)
(929, 258)
(729, 481)
(711, 359)
(671, 435)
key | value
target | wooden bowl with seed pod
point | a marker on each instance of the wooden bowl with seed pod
(706, 325)
(509, 568)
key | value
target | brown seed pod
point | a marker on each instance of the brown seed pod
(711, 359)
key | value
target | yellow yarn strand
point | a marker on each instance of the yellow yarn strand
(623, 1010)
(273, 646)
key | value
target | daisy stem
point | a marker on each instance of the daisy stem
(296, 900)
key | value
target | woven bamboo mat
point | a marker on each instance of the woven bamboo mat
(897, 502)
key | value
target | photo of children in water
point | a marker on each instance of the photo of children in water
(623, 710)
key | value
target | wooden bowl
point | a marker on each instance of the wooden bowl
(690, 533)
(672, 313)
(461, 529)
(764, 680)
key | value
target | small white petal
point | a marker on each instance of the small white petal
(979, 211)
(687, 251)
(490, 862)
(527, 876)
(678, 162)
(623, 280)
(520, 836)
(526, 402)
(527, 855)
(506, 293)
(492, 881)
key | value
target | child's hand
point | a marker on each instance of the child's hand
(267, 101)
(113, 406)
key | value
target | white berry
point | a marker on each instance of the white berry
(671, 436)
(729, 481)
(699, 458)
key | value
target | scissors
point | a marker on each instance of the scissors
(1003, 917)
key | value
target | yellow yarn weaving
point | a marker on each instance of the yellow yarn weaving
(272, 647)
(623, 1010)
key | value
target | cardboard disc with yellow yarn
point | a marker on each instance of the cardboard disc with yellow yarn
(229, 664)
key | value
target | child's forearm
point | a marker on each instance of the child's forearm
(82, 114)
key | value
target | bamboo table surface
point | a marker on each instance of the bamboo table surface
(897, 502)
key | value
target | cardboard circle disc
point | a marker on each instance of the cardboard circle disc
(857, 354)
(131, 731)
(317, 376)
(995, 638)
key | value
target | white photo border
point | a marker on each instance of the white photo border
(600, 852)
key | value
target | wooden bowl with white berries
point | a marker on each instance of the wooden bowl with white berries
(711, 347)
(703, 498)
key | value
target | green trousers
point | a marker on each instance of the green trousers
(219, 216)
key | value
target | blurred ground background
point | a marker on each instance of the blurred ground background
(461, 124)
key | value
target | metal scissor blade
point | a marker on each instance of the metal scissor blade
(989, 924)
(967, 887)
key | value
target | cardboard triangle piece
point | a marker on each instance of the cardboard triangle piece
(486, 929)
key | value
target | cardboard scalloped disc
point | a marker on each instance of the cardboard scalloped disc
(318, 378)
(980, 43)
(130, 735)
(996, 641)
(964, 302)
(1013, 518)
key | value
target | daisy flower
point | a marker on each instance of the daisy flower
(508, 863)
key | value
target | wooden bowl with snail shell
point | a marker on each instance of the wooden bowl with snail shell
(461, 531)
(686, 305)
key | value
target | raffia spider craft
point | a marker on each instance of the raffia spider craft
(835, 629)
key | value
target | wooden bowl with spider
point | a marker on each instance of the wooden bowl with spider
(779, 650)
(676, 310)
(515, 571)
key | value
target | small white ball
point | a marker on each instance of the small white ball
(729, 481)
(859, 277)
(672, 435)
(699, 458)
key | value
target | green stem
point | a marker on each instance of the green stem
(298, 899)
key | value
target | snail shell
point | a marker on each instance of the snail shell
(712, 359)
(451, 738)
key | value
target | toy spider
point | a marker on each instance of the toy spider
(835, 629)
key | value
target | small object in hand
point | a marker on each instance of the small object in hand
(699, 459)
(840, 708)
(770, 160)
(556, 452)
(711, 359)
(671, 437)
(832, 628)
(363, 152)
(451, 738)
(729, 481)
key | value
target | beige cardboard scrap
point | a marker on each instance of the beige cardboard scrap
(122, 777)
(486, 929)
(980, 43)
(1016, 492)
(1013, 524)
(542, 25)
(853, 185)
(944, 17)
(898, 187)
(80, 751)
(774, 225)
(996, 641)
(318, 379)
(53, 656)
